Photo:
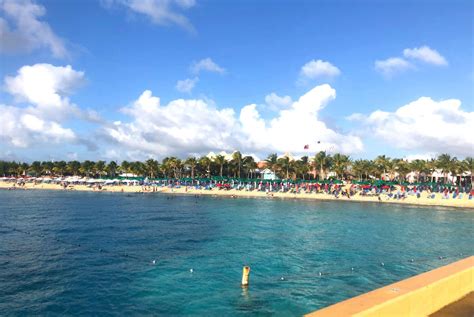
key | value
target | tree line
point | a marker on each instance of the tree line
(239, 166)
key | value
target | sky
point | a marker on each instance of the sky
(138, 79)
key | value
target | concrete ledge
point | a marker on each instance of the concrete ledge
(420, 295)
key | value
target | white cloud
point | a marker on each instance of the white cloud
(276, 102)
(186, 3)
(29, 32)
(22, 128)
(318, 68)
(355, 117)
(182, 126)
(425, 54)
(392, 66)
(422, 156)
(196, 126)
(206, 64)
(297, 126)
(46, 87)
(186, 85)
(425, 125)
(161, 12)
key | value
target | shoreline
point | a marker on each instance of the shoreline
(463, 203)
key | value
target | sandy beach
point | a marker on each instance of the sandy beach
(463, 202)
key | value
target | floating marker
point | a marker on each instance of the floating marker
(245, 276)
(191, 270)
(153, 262)
(282, 278)
(352, 269)
(383, 264)
(320, 273)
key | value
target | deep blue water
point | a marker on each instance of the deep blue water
(75, 253)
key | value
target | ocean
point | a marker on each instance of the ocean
(85, 253)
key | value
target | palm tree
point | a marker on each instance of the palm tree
(402, 167)
(446, 163)
(46, 167)
(152, 167)
(418, 166)
(138, 168)
(322, 160)
(100, 168)
(125, 167)
(112, 168)
(340, 164)
(382, 163)
(177, 166)
(220, 160)
(36, 168)
(249, 165)
(272, 162)
(205, 162)
(301, 167)
(22, 169)
(73, 167)
(192, 163)
(456, 169)
(237, 160)
(360, 168)
(284, 164)
(468, 165)
(172, 164)
(86, 168)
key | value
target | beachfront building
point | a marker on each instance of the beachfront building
(128, 175)
(268, 174)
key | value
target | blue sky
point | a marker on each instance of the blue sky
(124, 47)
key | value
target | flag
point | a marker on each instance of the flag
(306, 146)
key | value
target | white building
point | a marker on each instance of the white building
(268, 174)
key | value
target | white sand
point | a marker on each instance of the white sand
(413, 200)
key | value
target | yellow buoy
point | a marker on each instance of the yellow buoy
(245, 276)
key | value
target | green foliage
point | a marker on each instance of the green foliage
(239, 166)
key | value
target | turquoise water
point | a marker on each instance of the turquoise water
(74, 253)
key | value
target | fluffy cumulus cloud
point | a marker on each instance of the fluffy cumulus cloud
(425, 125)
(22, 128)
(276, 102)
(208, 65)
(161, 12)
(44, 91)
(21, 29)
(47, 87)
(393, 65)
(425, 54)
(318, 68)
(296, 126)
(182, 126)
(196, 126)
(186, 85)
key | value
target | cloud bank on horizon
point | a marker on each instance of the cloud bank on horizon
(195, 126)
(37, 110)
